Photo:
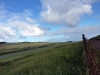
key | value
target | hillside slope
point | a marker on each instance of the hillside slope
(95, 38)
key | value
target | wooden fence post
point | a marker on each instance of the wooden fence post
(93, 69)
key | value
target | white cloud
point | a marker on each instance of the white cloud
(31, 20)
(67, 12)
(2, 11)
(6, 33)
(14, 26)
(25, 29)
(74, 34)
(1, 40)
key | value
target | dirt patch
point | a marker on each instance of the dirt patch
(5, 63)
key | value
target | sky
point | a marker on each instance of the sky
(48, 20)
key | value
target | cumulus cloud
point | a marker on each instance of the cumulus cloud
(66, 12)
(14, 26)
(31, 20)
(6, 33)
(74, 34)
(25, 29)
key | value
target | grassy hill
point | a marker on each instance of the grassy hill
(95, 38)
(65, 59)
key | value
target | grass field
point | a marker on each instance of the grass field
(64, 59)
(27, 51)
(18, 47)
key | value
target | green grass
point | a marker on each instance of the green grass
(18, 47)
(97, 56)
(95, 38)
(67, 59)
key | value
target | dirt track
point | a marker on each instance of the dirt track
(95, 43)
